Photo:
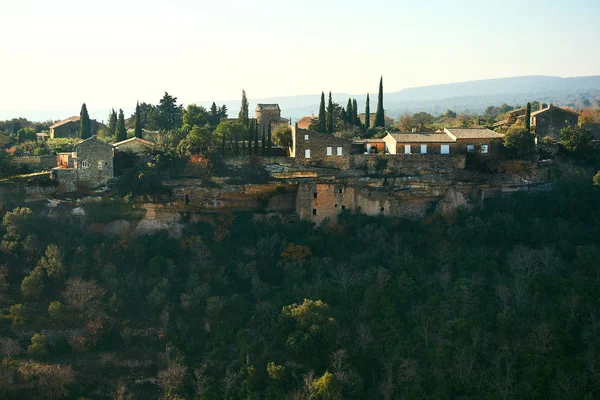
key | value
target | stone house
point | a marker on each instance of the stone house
(90, 165)
(69, 128)
(268, 114)
(134, 145)
(320, 149)
(450, 141)
(468, 140)
(550, 120)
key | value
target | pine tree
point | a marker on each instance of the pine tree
(322, 121)
(243, 114)
(138, 122)
(330, 119)
(379, 115)
(85, 129)
(355, 120)
(528, 118)
(349, 112)
(121, 132)
(214, 114)
(367, 114)
(269, 142)
(112, 122)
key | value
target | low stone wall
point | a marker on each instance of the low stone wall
(408, 164)
(240, 161)
(37, 162)
(66, 178)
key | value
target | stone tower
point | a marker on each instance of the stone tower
(265, 114)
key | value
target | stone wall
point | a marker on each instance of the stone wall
(37, 162)
(551, 122)
(317, 144)
(66, 178)
(408, 164)
(95, 162)
(264, 117)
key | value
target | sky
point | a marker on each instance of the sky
(55, 55)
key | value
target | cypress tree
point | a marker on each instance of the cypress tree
(121, 132)
(138, 122)
(85, 129)
(256, 138)
(528, 118)
(349, 112)
(112, 122)
(330, 119)
(355, 120)
(243, 114)
(270, 143)
(262, 142)
(322, 121)
(367, 114)
(379, 115)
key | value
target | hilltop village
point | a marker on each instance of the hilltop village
(314, 168)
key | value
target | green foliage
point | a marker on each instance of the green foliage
(596, 179)
(330, 124)
(85, 128)
(195, 115)
(321, 124)
(527, 118)
(168, 114)
(576, 139)
(243, 116)
(56, 311)
(137, 130)
(227, 132)
(32, 286)
(38, 345)
(282, 136)
(367, 114)
(199, 140)
(520, 141)
(379, 114)
(121, 132)
(52, 262)
(112, 122)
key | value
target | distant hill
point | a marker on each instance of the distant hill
(473, 96)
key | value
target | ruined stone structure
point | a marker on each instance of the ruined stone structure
(90, 165)
(319, 149)
(69, 128)
(269, 114)
(548, 122)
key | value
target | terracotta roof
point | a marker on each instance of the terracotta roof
(551, 107)
(41, 134)
(267, 107)
(424, 137)
(369, 141)
(90, 139)
(304, 122)
(134, 139)
(472, 133)
(500, 123)
(65, 121)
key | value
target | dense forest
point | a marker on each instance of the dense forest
(496, 303)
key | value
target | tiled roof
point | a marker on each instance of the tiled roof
(424, 137)
(134, 139)
(65, 121)
(304, 122)
(473, 133)
(551, 107)
(267, 107)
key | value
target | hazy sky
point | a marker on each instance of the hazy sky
(56, 54)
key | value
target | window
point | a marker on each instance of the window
(314, 211)
(343, 207)
(330, 151)
(335, 205)
(423, 149)
(484, 148)
(307, 153)
(314, 195)
(339, 151)
(407, 149)
(382, 209)
(340, 191)
(445, 149)
(101, 164)
(84, 164)
(305, 137)
(470, 148)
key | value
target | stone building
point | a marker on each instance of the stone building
(319, 149)
(69, 128)
(90, 165)
(269, 114)
(468, 140)
(134, 145)
(549, 121)
(451, 141)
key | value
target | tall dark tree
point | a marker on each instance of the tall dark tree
(170, 115)
(243, 117)
(355, 120)
(263, 143)
(138, 122)
(222, 112)
(528, 118)
(85, 128)
(214, 114)
(112, 122)
(269, 141)
(330, 118)
(379, 114)
(256, 139)
(367, 114)
(121, 132)
(349, 112)
(322, 121)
